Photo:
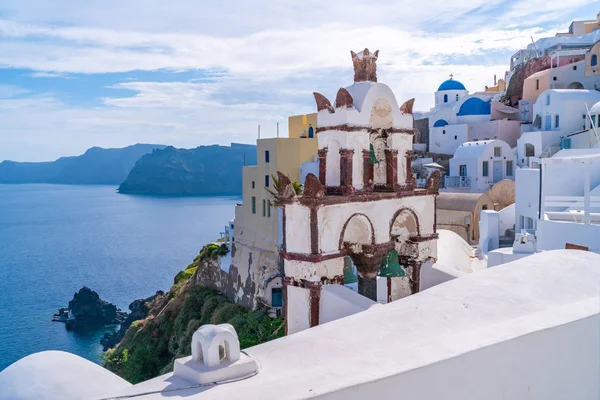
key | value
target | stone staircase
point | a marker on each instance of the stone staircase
(508, 238)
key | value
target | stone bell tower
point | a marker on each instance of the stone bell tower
(364, 203)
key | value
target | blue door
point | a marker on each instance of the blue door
(311, 132)
(548, 124)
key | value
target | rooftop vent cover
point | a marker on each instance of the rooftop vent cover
(206, 366)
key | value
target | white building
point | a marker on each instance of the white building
(556, 207)
(477, 166)
(459, 117)
(526, 330)
(558, 113)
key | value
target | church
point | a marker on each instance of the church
(460, 117)
(363, 206)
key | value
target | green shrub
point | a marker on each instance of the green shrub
(150, 346)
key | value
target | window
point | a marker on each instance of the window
(547, 99)
(253, 184)
(554, 78)
(593, 120)
(529, 223)
(522, 222)
(456, 97)
(264, 208)
(556, 121)
(267, 156)
(443, 132)
(574, 67)
(509, 168)
(253, 205)
(455, 137)
(462, 170)
(594, 60)
(276, 297)
(484, 207)
(485, 168)
(497, 151)
(269, 208)
(537, 84)
(445, 98)
(266, 180)
(529, 150)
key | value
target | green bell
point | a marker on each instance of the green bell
(349, 275)
(372, 158)
(390, 266)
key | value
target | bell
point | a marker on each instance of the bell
(349, 275)
(390, 266)
(372, 158)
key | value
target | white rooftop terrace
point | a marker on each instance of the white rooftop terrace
(524, 330)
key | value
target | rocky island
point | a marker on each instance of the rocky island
(88, 311)
(205, 170)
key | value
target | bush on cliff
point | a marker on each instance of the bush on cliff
(150, 346)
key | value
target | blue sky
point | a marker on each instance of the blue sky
(112, 73)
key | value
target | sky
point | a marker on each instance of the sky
(111, 73)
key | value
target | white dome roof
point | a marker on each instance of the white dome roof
(595, 108)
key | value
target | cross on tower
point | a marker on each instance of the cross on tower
(451, 76)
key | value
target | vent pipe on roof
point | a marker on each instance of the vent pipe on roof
(206, 366)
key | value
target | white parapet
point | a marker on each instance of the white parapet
(205, 365)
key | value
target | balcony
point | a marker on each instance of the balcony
(457, 182)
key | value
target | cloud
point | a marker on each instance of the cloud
(257, 62)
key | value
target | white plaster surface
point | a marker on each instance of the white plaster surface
(298, 310)
(465, 335)
(297, 227)
(338, 302)
(53, 375)
(455, 258)
(332, 218)
(314, 271)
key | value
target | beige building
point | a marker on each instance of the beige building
(460, 212)
(578, 28)
(591, 60)
(535, 84)
(299, 126)
(254, 275)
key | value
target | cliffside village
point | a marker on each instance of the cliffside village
(369, 202)
(395, 201)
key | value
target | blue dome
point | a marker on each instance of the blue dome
(475, 106)
(440, 123)
(451, 84)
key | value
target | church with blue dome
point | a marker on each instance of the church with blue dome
(459, 117)
(451, 84)
(450, 91)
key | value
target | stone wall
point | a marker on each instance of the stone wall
(248, 280)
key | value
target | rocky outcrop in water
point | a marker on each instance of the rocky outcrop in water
(139, 310)
(87, 311)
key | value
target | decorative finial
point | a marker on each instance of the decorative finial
(451, 76)
(365, 65)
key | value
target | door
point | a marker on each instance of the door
(497, 171)
(548, 124)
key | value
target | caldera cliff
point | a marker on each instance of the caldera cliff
(150, 345)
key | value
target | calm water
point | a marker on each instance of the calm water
(55, 239)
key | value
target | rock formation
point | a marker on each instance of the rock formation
(87, 311)
(139, 310)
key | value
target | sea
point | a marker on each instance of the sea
(54, 239)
